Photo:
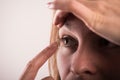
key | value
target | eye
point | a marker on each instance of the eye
(106, 44)
(69, 42)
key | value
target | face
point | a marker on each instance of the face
(83, 55)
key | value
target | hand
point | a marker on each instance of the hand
(100, 16)
(34, 65)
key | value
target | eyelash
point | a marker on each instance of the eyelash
(69, 42)
(72, 44)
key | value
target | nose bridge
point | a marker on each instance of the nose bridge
(79, 58)
(82, 61)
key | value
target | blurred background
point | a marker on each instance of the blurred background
(24, 31)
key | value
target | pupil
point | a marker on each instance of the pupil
(66, 40)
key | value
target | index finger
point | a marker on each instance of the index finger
(59, 18)
(34, 65)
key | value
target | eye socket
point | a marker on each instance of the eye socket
(106, 44)
(69, 42)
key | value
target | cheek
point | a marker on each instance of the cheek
(112, 66)
(63, 62)
(115, 62)
(113, 57)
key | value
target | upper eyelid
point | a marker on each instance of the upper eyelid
(66, 32)
(72, 37)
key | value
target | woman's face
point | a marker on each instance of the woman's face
(83, 55)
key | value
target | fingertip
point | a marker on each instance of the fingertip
(55, 44)
(57, 17)
(60, 25)
(60, 18)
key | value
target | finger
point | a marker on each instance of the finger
(82, 12)
(33, 66)
(83, 9)
(58, 4)
(97, 16)
(51, 5)
(45, 54)
(59, 17)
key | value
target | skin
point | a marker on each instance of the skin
(34, 65)
(83, 55)
(100, 16)
(91, 57)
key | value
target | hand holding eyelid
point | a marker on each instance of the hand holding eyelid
(34, 65)
(100, 16)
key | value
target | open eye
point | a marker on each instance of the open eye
(69, 42)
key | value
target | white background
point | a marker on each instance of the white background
(24, 31)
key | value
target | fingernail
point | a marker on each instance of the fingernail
(59, 25)
(50, 5)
